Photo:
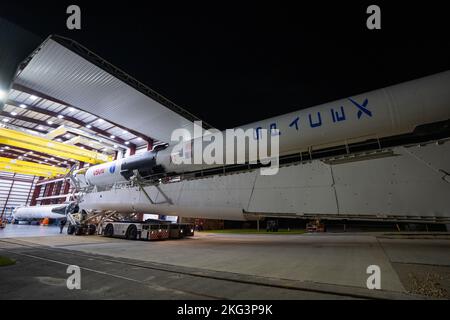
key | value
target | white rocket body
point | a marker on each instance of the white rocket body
(54, 211)
(386, 112)
(105, 173)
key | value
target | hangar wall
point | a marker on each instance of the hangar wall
(15, 191)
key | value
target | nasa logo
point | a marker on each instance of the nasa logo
(112, 169)
(99, 171)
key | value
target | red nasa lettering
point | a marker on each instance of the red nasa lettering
(99, 171)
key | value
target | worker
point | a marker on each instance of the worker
(62, 223)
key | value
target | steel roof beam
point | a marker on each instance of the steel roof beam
(46, 97)
(67, 118)
(13, 154)
(57, 159)
(32, 165)
(28, 119)
(44, 145)
(24, 170)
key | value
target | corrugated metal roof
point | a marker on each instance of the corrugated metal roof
(66, 76)
(19, 105)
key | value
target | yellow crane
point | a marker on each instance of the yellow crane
(39, 144)
(30, 168)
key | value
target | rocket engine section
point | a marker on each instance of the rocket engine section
(122, 169)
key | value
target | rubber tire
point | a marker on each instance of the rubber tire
(109, 230)
(71, 229)
(78, 230)
(132, 232)
(91, 229)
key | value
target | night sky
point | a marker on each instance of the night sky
(230, 65)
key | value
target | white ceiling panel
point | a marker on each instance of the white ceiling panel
(64, 75)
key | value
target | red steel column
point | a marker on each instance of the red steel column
(7, 198)
(36, 192)
(57, 191)
(48, 192)
(149, 145)
(66, 190)
(132, 150)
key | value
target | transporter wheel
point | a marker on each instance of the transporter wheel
(131, 232)
(71, 229)
(91, 229)
(109, 230)
(78, 230)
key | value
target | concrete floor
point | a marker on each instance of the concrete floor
(41, 274)
(24, 230)
(331, 261)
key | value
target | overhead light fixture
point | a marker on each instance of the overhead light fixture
(60, 116)
(50, 122)
(67, 135)
(124, 131)
(14, 113)
(127, 142)
(88, 126)
(71, 109)
(115, 146)
(32, 98)
(6, 147)
(40, 128)
(59, 140)
(52, 158)
(100, 120)
(40, 162)
(112, 136)
(23, 106)
(3, 95)
(139, 139)
(5, 120)
(46, 160)
(31, 152)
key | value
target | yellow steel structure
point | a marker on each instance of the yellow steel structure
(31, 142)
(21, 170)
(56, 132)
(30, 168)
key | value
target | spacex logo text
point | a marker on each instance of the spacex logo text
(317, 119)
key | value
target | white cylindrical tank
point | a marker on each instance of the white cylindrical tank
(119, 170)
(105, 173)
(386, 112)
(54, 211)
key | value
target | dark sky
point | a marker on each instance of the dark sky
(231, 64)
